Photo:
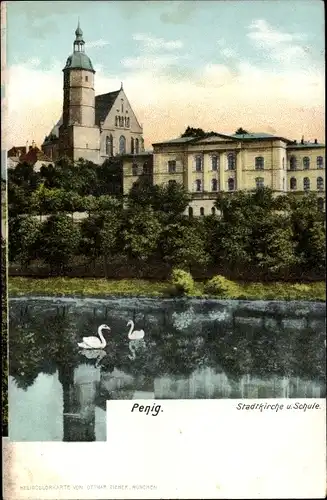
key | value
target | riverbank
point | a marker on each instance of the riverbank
(83, 287)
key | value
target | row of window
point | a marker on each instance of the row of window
(306, 183)
(259, 163)
(306, 162)
(146, 169)
(135, 145)
(122, 121)
(214, 185)
(320, 203)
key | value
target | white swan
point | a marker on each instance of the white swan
(95, 342)
(137, 334)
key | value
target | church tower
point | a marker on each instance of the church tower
(79, 137)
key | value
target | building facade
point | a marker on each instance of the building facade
(220, 162)
(91, 127)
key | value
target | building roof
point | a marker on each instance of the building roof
(258, 136)
(103, 104)
(305, 145)
(178, 140)
(16, 150)
(34, 155)
(79, 60)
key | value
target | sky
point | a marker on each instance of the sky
(217, 65)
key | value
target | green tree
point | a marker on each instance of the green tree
(193, 132)
(24, 234)
(241, 130)
(59, 241)
(140, 233)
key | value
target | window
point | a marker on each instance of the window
(292, 183)
(122, 145)
(259, 182)
(190, 211)
(214, 163)
(320, 162)
(116, 121)
(132, 145)
(306, 184)
(259, 163)
(108, 146)
(172, 182)
(283, 183)
(201, 211)
(136, 145)
(146, 169)
(111, 145)
(320, 203)
(283, 163)
(213, 211)
(320, 183)
(127, 122)
(306, 163)
(231, 161)
(231, 184)
(122, 105)
(198, 185)
(86, 78)
(172, 166)
(214, 185)
(198, 164)
(134, 169)
(293, 163)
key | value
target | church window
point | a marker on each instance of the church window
(198, 164)
(172, 166)
(198, 185)
(231, 161)
(122, 145)
(259, 182)
(306, 163)
(306, 184)
(116, 121)
(86, 78)
(127, 122)
(137, 146)
(134, 169)
(231, 184)
(214, 185)
(259, 163)
(122, 105)
(111, 145)
(108, 146)
(214, 163)
(132, 145)
(320, 183)
(292, 183)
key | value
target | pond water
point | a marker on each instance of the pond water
(192, 349)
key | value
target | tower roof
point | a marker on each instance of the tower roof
(78, 59)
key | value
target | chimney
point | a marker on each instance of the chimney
(316, 142)
(295, 141)
(30, 148)
(302, 140)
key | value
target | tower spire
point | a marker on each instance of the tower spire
(79, 42)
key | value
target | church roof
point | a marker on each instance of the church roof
(79, 60)
(103, 104)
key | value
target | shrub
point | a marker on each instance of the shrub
(182, 281)
(222, 287)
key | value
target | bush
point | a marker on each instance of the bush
(222, 287)
(182, 282)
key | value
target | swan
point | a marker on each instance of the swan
(136, 334)
(95, 342)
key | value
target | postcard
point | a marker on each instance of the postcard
(163, 249)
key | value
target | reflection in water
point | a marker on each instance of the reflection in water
(194, 349)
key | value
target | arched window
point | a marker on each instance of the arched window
(127, 122)
(231, 184)
(108, 146)
(292, 183)
(293, 163)
(259, 163)
(198, 164)
(116, 121)
(122, 145)
(132, 145)
(198, 185)
(231, 161)
(137, 146)
(320, 202)
(201, 211)
(214, 163)
(134, 169)
(306, 163)
(320, 162)
(306, 184)
(190, 211)
(259, 182)
(214, 185)
(320, 183)
(213, 211)
(122, 105)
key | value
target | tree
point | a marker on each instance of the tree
(140, 232)
(193, 132)
(59, 241)
(24, 234)
(241, 130)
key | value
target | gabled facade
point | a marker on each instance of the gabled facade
(91, 127)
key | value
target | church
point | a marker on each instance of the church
(91, 127)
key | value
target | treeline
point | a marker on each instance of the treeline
(254, 234)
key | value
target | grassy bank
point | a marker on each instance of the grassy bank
(101, 288)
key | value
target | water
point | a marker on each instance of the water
(192, 349)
